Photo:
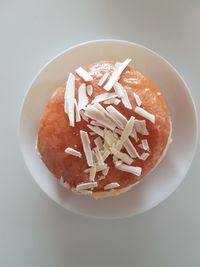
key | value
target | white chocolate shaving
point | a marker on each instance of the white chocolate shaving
(125, 100)
(140, 127)
(142, 112)
(119, 90)
(134, 134)
(85, 118)
(131, 169)
(131, 149)
(96, 130)
(97, 115)
(100, 168)
(89, 89)
(145, 144)
(106, 146)
(100, 108)
(115, 135)
(99, 143)
(95, 123)
(118, 145)
(117, 65)
(84, 74)
(100, 160)
(116, 74)
(82, 97)
(118, 131)
(85, 186)
(137, 99)
(67, 92)
(78, 117)
(103, 97)
(111, 186)
(104, 111)
(144, 156)
(109, 138)
(103, 79)
(114, 101)
(117, 116)
(117, 163)
(102, 177)
(69, 98)
(105, 171)
(73, 152)
(106, 155)
(87, 170)
(92, 173)
(94, 157)
(123, 156)
(128, 129)
(86, 147)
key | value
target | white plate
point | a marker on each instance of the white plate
(161, 182)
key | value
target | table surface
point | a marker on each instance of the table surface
(34, 231)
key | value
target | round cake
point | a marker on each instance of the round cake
(104, 129)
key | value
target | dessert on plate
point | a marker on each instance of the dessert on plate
(104, 129)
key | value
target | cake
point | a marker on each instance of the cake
(104, 129)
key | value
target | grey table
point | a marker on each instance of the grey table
(34, 231)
